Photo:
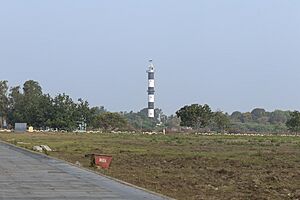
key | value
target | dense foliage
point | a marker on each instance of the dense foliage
(195, 115)
(110, 121)
(293, 123)
(258, 120)
(30, 105)
(42, 111)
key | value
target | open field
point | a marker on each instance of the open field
(187, 166)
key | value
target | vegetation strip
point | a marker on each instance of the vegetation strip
(61, 113)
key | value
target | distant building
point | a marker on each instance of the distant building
(20, 127)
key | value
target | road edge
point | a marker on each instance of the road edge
(89, 170)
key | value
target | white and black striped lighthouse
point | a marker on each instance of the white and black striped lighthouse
(150, 72)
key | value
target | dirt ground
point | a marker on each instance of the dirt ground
(186, 166)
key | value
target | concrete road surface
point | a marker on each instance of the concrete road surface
(29, 176)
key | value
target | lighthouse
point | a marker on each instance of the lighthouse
(150, 72)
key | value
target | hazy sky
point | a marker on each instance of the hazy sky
(232, 55)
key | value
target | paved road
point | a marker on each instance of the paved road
(29, 176)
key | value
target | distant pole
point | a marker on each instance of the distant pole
(150, 72)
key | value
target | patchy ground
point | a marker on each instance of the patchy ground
(185, 166)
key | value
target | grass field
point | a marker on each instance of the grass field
(187, 166)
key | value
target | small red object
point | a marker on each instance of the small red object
(103, 161)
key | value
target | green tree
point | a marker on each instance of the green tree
(221, 121)
(45, 115)
(84, 113)
(98, 110)
(16, 106)
(237, 116)
(95, 111)
(247, 117)
(293, 123)
(65, 114)
(279, 117)
(32, 88)
(111, 121)
(41, 110)
(135, 120)
(258, 113)
(33, 102)
(195, 116)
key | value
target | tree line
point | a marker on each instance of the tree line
(258, 120)
(28, 104)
